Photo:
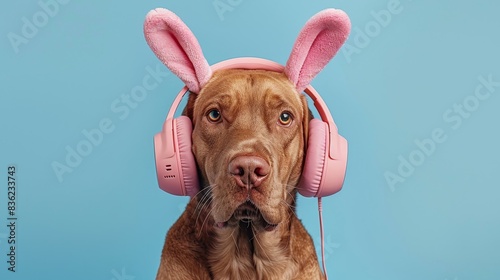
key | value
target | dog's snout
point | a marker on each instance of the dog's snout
(249, 171)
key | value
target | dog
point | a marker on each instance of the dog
(249, 148)
(249, 141)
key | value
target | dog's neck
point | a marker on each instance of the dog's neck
(247, 254)
(242, 251)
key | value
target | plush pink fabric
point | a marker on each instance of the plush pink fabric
(176, 46)
(318, 41)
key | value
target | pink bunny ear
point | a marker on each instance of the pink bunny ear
(318, 41)
(176, 46)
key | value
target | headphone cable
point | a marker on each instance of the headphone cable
(320, 211)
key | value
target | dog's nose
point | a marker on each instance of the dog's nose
(249, 171)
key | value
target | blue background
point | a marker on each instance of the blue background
(107, 219)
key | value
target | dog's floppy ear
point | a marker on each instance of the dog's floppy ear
(177, 47)
(317, 43)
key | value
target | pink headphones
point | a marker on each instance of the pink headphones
(177, 47)
(326, 156)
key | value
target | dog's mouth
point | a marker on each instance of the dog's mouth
(247, 214)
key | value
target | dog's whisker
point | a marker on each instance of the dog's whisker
(253, 233)
(206, 195)
(287, 204)
(201, 203)
(202, 225)
(291, 187)
(260, 245)
(204, 201)
(205, 220)
(234, 240)
(290, 216)
(290, 206)
(202, 190)
(230, 236)
(200, 210)
(292, 210)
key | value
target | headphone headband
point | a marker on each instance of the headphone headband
(254, 63)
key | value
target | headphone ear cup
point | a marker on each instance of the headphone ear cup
(175, 163)
(323, 176)
(314, 163)
(188, 172)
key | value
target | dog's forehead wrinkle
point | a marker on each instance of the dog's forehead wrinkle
(230, 79)
(257, 89)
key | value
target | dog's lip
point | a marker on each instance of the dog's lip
(247, 212)
(267, 226)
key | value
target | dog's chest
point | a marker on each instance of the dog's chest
(239, 254)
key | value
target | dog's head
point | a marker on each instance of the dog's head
(249, 126)
(248, 140)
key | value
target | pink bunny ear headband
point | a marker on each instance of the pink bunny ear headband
(318, 41)
(177, 47)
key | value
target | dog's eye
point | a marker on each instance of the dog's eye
(285, 118)
(214, 115)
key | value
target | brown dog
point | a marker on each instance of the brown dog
(249, 136)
